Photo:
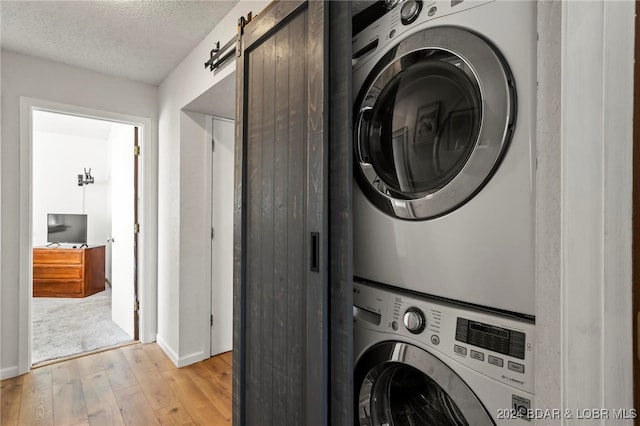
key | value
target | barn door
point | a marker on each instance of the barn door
(281, 273)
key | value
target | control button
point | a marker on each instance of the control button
(514, 366)
(494, 360)
(460, 350)
(394, 325)
(476, 355)
(432, 11)
(435, 339)
(410, 11)
(414, 320)
(392, 33)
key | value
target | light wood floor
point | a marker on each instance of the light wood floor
(131, 385)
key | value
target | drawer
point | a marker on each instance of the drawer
(44, 272)
(57, 288)
(57, 256)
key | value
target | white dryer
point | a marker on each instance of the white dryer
(426, 362)
(444, 142)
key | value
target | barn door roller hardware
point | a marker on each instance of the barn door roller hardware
(242, 22)
(217, 56)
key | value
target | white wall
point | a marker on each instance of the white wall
(31, 77)
(195, 240)
(583, 294)
(184, 197)
(57, 161)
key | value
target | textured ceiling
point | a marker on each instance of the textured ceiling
(138, 40)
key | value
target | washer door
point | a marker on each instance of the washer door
(398, 384)
(432, 122)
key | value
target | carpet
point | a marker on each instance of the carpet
(63, 327)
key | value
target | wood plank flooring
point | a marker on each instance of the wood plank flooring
(131, 385)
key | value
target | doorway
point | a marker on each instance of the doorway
(222, 136)
(100, 247)
(148, 218)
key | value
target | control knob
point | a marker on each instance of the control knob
(410, 11)
(414, 320)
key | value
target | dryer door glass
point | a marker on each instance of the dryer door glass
(433, 120)
(424, 125)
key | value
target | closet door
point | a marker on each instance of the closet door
(281, 225)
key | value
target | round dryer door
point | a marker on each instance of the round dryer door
(398, 384)
(432, 122)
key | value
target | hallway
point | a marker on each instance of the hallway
(134, 384)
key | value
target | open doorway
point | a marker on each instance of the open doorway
(222, 133)
(84, 176)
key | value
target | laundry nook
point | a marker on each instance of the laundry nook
(307, 212)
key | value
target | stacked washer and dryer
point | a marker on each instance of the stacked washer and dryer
(444, 142)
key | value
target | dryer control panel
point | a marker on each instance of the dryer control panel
(498, 346)
(401, 19)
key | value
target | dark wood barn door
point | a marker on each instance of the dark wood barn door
(282, 278)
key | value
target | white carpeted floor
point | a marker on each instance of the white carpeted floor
(65, 326)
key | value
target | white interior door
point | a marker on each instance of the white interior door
(122, 231)
(223, 133)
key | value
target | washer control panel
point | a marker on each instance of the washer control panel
(495, 345)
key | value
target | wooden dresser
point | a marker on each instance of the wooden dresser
(68, 272)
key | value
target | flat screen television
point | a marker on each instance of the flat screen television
(67, 228)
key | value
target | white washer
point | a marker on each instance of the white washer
(420, 361)
(444, 140)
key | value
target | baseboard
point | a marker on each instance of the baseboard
(167, 350)
(191, 359)
(7, 373)
(220, 349)
(180, 361)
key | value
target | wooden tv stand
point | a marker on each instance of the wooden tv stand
(68, 272)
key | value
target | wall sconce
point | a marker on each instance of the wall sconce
(85, 179)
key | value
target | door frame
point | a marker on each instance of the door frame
(583, 302)
(136, 233)
(340, 214)
(635, 268)
(148, 246)
(209, 200)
